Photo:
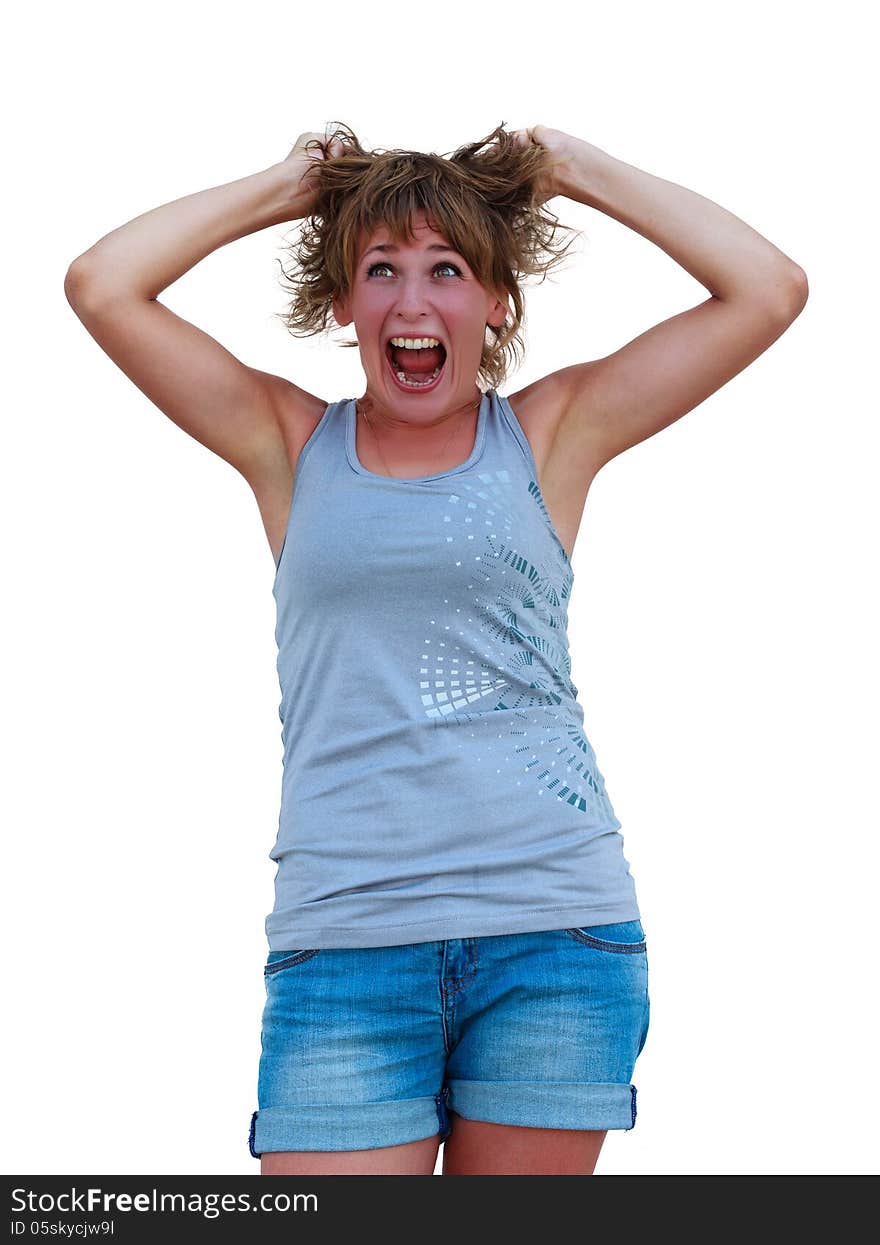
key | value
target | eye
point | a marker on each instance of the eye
(383, 264)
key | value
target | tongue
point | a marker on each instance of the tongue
(417, 362)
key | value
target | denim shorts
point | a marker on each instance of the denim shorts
(368, 1047)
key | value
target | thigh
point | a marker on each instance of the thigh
(475, 1148)
(415, 1158)
(352, 1056)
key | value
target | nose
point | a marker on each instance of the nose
(413, 298)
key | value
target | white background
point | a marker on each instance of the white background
(725, 568)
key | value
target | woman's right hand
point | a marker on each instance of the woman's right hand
(300, 163)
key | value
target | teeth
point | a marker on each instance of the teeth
(415, 343)
(410, 384)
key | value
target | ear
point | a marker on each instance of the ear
(498, 313)
(341, 311)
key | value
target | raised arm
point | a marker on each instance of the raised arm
(113, 286)
(607, 405)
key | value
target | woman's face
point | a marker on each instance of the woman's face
(417, 290)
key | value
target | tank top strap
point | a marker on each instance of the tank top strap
(329, 432)
(509, 431)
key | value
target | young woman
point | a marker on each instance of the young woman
(456, 951)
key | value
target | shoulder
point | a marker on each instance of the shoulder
(562, 447)
(297, 413)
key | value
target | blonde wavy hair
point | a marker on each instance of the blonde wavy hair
(483, 200)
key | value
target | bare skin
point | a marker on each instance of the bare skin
(473, 1148)
(415, 1158)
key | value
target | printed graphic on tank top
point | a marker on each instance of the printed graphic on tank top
(438, 781)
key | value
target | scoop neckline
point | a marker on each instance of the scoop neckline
(472, 458)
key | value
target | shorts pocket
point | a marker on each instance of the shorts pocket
(621, 938)
(279, 960)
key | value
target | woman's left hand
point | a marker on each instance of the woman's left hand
(561, 147)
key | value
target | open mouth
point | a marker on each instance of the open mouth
(416, 371)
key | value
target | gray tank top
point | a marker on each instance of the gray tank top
(438, 781)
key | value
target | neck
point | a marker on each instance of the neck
(386, 421)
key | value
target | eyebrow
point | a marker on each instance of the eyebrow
(434, 246)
